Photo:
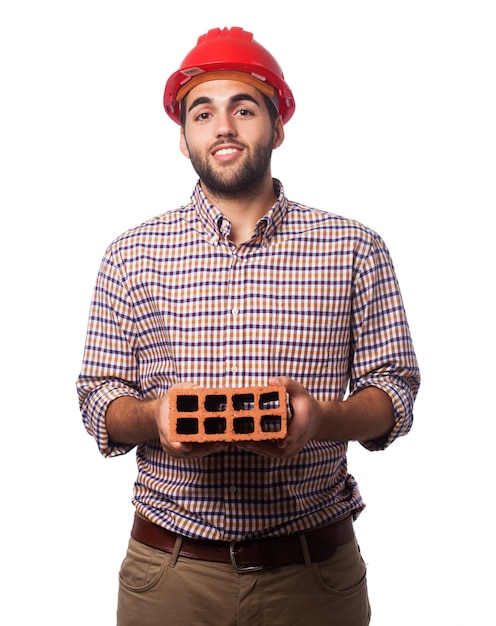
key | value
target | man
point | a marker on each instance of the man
(243, 287)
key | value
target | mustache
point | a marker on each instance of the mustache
(223, 142)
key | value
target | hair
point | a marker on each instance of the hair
(271, 107)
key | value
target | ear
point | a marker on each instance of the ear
(183, 144)
(278, 133)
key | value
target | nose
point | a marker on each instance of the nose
(225, 125)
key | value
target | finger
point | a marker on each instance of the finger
(185, 385)
(195, 450)
(272, 450)
(180, 448)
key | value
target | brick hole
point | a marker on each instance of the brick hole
(243, 425)
(243, 401)
(269, 401)
(187, 426)
(215, 425)
(270, 423)
(215, 403)
(187, 404)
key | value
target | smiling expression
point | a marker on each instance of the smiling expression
(229, 137)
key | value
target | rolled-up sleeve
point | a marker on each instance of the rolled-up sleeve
(382, 350)
(110, 368)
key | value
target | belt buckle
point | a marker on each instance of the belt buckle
(239, 568)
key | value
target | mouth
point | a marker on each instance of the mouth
(225, 153)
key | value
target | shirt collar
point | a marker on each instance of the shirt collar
(217, 226)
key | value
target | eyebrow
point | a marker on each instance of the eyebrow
(240, 97)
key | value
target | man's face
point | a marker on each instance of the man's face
(229, 137)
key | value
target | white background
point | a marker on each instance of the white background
(395, 126)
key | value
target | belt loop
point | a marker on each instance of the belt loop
(175, 552)
(304, 549)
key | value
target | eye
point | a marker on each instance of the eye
(202, 116)
(244, 112)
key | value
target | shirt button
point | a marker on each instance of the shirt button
(234, 369)
(235, 311)
(232, 489)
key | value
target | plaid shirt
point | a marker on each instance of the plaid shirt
(312, 296)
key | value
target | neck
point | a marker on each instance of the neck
(245, 211)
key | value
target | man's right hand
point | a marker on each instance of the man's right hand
(131, 421)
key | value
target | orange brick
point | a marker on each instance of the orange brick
(240, 414)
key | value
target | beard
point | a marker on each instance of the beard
(245, 180)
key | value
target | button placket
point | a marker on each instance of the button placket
(234, 358)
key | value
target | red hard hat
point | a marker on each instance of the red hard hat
(229, 51)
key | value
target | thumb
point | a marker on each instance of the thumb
(292, 386)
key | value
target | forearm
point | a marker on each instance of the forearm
(367, 415)
(131, 421)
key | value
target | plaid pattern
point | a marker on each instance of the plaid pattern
(312, 296)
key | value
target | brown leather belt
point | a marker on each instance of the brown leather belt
(249, 556)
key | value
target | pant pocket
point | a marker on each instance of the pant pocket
(344, 573)
(142, 567)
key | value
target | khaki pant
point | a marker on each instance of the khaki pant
(157, 590)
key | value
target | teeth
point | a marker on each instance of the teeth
(224, 151)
